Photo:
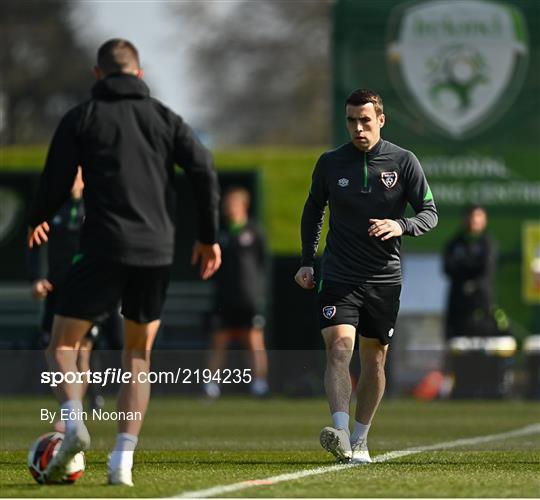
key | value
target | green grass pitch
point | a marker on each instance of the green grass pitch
(189, 444)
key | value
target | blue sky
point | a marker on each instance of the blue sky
(163, 41)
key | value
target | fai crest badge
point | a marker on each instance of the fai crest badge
(343, 182)
(329, 311)
(458, 63)
(389, 179)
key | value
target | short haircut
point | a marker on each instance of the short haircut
(117, 56)
(359, 97)
(469, 209)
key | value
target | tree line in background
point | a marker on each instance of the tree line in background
(262, 69)
(44, 70)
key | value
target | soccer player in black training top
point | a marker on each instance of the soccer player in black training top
(367, 184)
(127, 144)
(240, 292)
(470, 262)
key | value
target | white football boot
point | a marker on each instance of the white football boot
(74, 442)
(120, 477)
(337, 442)
(360, 452)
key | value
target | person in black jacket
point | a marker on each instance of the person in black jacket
(240, 292)
(127, 144)
(367, 184)
(469, 262)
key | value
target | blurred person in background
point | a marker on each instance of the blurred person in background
(469, 263)
(62, 248)
(240, 293)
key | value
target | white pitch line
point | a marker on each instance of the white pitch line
(228, 488)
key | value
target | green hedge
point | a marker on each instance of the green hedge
(286, 174)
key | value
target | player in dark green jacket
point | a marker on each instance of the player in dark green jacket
(367, 184)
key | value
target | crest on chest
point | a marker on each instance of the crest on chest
(389, 179)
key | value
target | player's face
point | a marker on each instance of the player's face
(364, 125)
(477, 221)
(235, 208)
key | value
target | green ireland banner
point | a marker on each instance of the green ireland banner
(460, 80)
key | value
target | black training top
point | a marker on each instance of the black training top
(127, 144)
(62, 246)
(240, 282)
(469, 262)
(359, 186)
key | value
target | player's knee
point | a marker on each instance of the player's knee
(340, 350)
(133, 353)
(61, 354)
(373, 365)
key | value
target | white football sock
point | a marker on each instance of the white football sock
(341, 420)
(122, 455)
(360, 431)
(71, 411)
(259, 387)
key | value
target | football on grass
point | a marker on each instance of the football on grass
(43, 450)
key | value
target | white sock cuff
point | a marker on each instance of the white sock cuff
(72, 405)
(341, 420)
(126, 442)
(360, 430)
(71, 414)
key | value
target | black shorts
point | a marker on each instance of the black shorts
(95, 286)
(237, 317)
(371, 309)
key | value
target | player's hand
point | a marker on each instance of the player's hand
(305, 277)
(384, 229)
(209, 257)
(41, 288)
(38, 235)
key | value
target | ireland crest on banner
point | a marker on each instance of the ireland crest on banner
(457, 63)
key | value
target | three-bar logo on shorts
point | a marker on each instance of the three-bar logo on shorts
(389, 179)
(329, 311)
(343, 182)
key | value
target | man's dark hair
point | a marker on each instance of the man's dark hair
(117, 55)
(469, 209)
(359, 97)
(241, 190)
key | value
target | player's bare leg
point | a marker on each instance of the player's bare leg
(370, 390)
(83, 361)
(63, 351)
(133, 397)
(216, 359)
(259, 361)
(62, 354)
(339, 341)
(83, 365)
(218, 349)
